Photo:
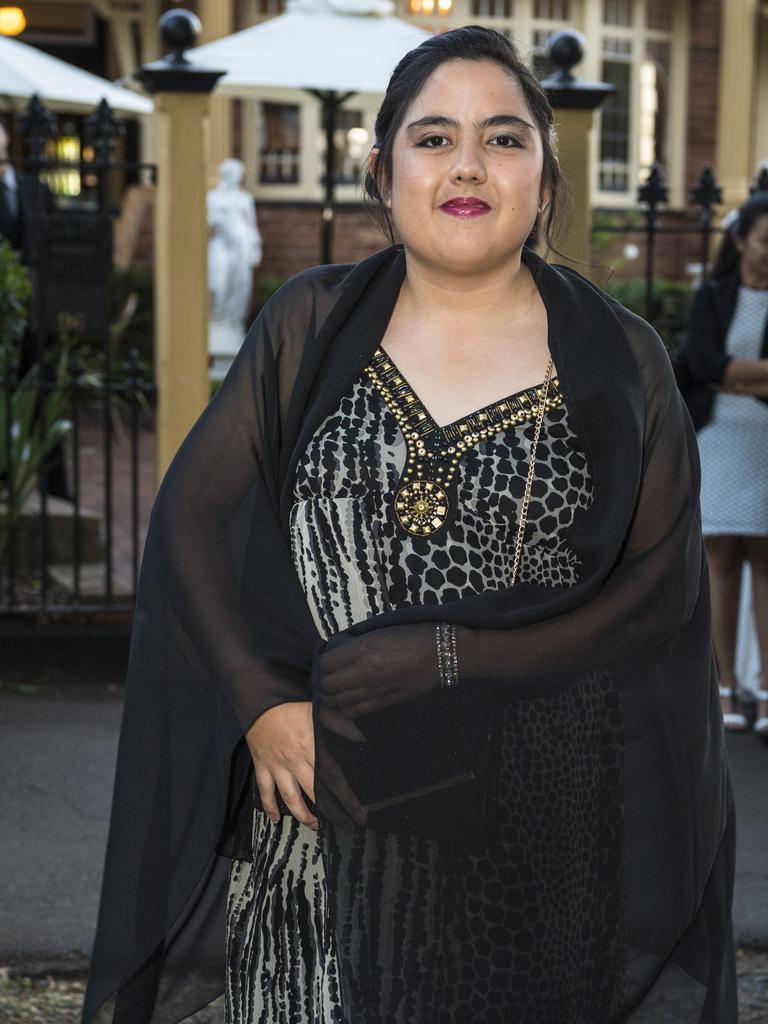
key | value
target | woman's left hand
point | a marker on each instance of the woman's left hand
(377, 669)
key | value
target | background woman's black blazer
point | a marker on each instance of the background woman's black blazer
(703, 360)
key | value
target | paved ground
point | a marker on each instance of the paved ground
(57, 750)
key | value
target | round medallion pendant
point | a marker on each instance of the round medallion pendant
(421, 507)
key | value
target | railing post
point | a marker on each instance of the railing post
(706, 194)
(652, 193)
(182, 96)
(575, 103)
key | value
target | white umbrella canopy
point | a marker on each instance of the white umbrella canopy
(26, 71)
(332, 48)
(336, 46)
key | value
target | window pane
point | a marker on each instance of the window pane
(617, 12)
(493, 8)
(351, 147)
(280, 151)
(614, 129)
(554, 10)
(658, 15)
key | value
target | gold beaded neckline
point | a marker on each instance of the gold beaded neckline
(421, 502)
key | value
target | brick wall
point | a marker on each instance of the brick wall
(703, 85)
(291, 237)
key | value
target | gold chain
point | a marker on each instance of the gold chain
(421, 502)
(529, 478)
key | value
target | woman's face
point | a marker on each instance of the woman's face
(754, 249)
(466, 169)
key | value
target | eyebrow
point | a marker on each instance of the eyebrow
(498, 120)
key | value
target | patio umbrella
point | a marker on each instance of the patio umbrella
(331, 48)
(26, 71)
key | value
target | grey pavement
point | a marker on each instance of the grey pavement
(57, 757)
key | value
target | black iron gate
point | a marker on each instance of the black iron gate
(652, 196)
(76, 408)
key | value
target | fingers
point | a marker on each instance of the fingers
(343, 698)
(267, 794)
(305, 776)
(338, 724)
(290, 792)
(368, 704)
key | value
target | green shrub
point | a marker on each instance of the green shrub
(15, 295)
(669, 307)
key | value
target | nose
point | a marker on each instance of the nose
(468, 165)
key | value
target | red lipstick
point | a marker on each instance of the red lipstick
(465, 206)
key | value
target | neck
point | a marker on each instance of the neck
(434, 292)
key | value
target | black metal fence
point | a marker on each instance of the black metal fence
(76, 407)
(652, 196)
(76, 404)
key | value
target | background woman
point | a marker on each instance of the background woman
(727, 352)
(422, 692)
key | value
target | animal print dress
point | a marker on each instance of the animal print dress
(355, 560)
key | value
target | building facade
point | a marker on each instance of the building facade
(691, 81)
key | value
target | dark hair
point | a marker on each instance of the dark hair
(728, 256)
(473, 42)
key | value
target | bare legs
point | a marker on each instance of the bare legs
(757, 554)
(726, 554)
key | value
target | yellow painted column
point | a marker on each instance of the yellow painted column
(735, 162)
(216, 16)
(181, 272)
(574, 151)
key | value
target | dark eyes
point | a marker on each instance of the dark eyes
(502, 141)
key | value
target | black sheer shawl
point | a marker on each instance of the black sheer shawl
(223, 632)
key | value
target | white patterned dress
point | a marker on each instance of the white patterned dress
(354, 561)
(734, 443)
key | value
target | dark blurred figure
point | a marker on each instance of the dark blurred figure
(727, 357)
(20, 194)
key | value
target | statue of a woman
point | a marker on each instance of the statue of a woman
(234, 249)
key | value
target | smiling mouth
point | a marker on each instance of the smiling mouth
(465, 206)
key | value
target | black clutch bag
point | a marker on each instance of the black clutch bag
(427, 769)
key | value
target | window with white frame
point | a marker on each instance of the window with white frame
(280, 144)
(639, 46)
(352, 144)
(638, 51)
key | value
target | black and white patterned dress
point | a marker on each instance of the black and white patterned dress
(355, 560)
(733, 446)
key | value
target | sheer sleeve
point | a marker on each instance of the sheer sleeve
(652, 591)
(219, 488)
(622, 613)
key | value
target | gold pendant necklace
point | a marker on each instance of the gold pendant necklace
(421, 502)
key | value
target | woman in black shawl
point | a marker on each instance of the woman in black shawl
(431, 564)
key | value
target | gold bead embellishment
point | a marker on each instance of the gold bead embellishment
(421, 507)
(421, 503)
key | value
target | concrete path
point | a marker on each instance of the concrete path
(56, 765)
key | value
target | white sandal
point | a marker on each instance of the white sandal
(761, 725)
(734, 721)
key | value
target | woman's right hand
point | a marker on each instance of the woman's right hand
(282, 746)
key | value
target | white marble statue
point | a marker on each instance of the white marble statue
(234, 249)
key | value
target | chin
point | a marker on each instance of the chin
(470, 258)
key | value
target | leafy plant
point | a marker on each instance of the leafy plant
(33, 420)
(669, 308)
(15, 295)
